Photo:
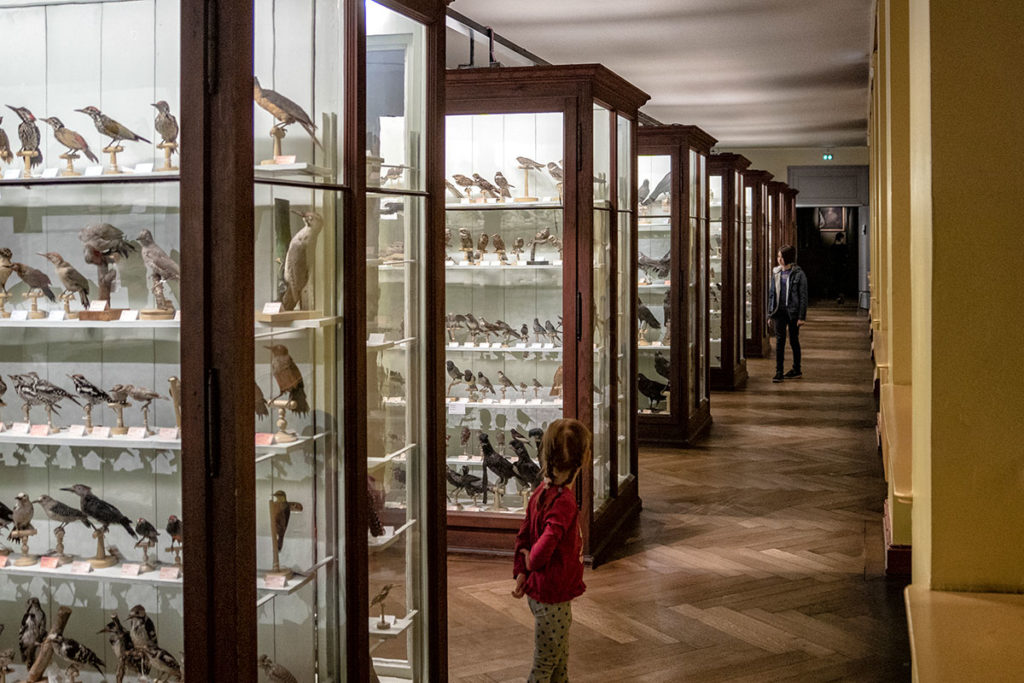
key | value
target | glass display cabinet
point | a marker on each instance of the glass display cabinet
(727, 287)
(186, 345)
(755, 188)
(538, 299)
(776, 216)
(790, 203)
(672, 345)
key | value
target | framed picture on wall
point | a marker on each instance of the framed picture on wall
(831, 218)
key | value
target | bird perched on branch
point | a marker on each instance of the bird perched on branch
(60, 512)
(275, 672)
(283, 109)
(70, 139)
(28, 134)
(484, 382)
(69, 277)
(297, 258)
(111, 128)
(464, 182)
(100, 510)
(128, 658)
(161, 664)
(48, 393)
(485, 185)
(5, 146)
(33, 631)
(141, 629)
(282, 510)
(289, 379)
(161, 266)
(459, 481)
(657, 269)
(165, 123)
(34, 278)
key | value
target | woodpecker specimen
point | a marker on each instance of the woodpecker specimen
(662, 365)
(496, 463)
(49, 394)
(70, 139)
(503, 184)
(165, 123)
(128, 658)
(261, 402)
(484, 383)
(60, 512)
(161, 664)
(283, 509)
(141, 629)
(111, 128)
(33, 631)
(485, 185)
(647, 318)
(6, 267)
(174, 530)
(35, 279)
(652, 389)
(73, 652)
(297, 259)
(5, 146)
(288, 378)
(143, 395)
(526, 162)
(146, 531)
(555, 171)
(275, 672)
(645, 189)
(283, 109)
(100, 510)
(89, 392)
(661, 188)
(5, 516)
(69, 277)
(161, 266)
(28, 133)
(24, 387)
(524, 466)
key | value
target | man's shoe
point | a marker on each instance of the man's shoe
(793, 374)
(778, 377)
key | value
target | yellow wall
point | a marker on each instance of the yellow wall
(777, 160)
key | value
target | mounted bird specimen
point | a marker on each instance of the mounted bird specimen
(73, 141)
(297, 260)
(28, 134)
(283, 109)
(72, 281)
(6, 155)
(111, 128)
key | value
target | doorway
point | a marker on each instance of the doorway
(827, 248)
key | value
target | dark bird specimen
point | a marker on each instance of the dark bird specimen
(24, 387)
(499, 464)
(297, 258)
(484, 382)
(100, 510)
(261, 402)
(283, 109)
(527, 162)
(485, 185)
(655, 268)
(59, 512)
(662, 365)
(6, 267)
(141, 629)
(50, 394)
(524, 332)
(35, 279)
(652, 389)
(460, 480)
(161, 266)
(174, 529)
(128, 658)
(552, 332)
(33, 631)
(275, 672)
(555, 171)
(146, 531)
(284, 508)
(517, 435)
(647, 318)
(111, 128)
(5, 146)
(454, 373)
(503, 184)
(661, 188)
(537, 434)
(69, 277)
(525, 467)
(505, 382)
(28, 133)
(288, 378)
(645, 189)
(165, 123)
(73, 652)
(161, 664)
(538, 329)
(3, 390)
(70, 139)
(6, 517)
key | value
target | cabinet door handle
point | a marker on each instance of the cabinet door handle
(212, 392)
(579, 317)
(211, 47)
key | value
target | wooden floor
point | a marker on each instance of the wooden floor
(758, 555)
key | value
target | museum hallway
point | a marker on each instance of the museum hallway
(758, 555)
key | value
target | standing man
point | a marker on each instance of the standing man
(787, 308)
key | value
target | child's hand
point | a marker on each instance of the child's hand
(526, 558)
(518, 592)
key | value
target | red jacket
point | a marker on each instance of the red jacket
(551, 532)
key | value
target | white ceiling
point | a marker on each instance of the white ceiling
(752, 73)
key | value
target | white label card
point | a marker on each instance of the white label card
(99, 305)
(101, 432)
(272, 307)
(81, 567)
(76, 430)
(129, 315)
(12, 174)
(55, 315)
(20, 314)
(275, 581)
(376, 338)
(169, 573)
(457, 408)
(20, 428)
(137, 433)
(130, 569)
(144, 168)
(50, 173)
(93, 171)
(168, 433)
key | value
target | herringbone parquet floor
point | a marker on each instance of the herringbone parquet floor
(758, 555)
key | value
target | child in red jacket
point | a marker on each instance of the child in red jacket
(549, 548)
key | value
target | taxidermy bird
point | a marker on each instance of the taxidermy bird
(105, 240)
(499, 464)
(165, 123)
(556, 383)
(143, 395)
(141, 629)
(289, 379)
(5, 146)
(146, 531)
(647, 318)
(70, 139)
(72, 280)
(59, 512)
(161, 664)
(524, 466)
(73, 652)
(662, 365)
(49, 394)
(645, 189)
(484, 382)
(652, 389)
(481, 242)
(261, 402)
(6, 267)
(282, 512)
(661, 188)
(128, 658)
(655, 269)
(28, 134)
(503, 184)
(460, 480)
(555, 171)
(283, 109)
(485, 185)
(161, 266)
(5, 516)
(297, 259)
(174, 529)
(100, 510)
(35, 279)
(33, 631)
(527, 162)
(498, 242)
(111, 128)
(275, 672)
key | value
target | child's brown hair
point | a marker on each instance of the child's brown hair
(565, 446)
